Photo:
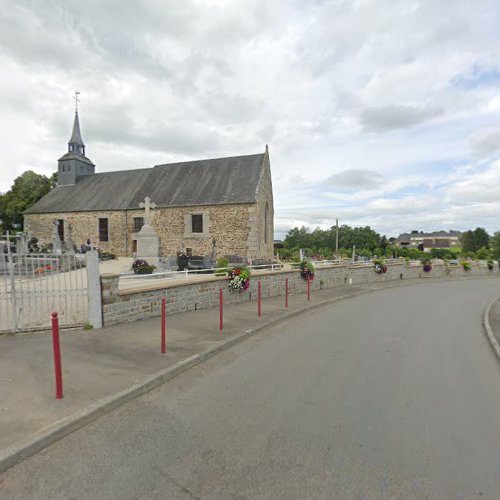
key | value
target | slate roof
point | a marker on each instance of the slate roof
(76, 136)
(203, 182)
(70, 155)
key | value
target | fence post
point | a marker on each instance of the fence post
(57, 355)
(221, 310)
(259, 299)
(163, 324)
(94, 289)
(286, 293)
(13, 293)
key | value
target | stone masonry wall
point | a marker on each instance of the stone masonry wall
(229, 224)
(85, 226)
(258, 247)
(131, 306)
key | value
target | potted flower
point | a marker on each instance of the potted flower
(140, 266)
(379, 266)
(307, 270)
(239, 278)
(490, 264)
(427, 266)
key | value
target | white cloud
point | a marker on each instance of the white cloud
(179, 80)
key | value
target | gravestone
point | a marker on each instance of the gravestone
(148, 242)
(56, 240)
(22, 244)
(68, 246)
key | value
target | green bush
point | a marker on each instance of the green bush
(466, 265)
(221, 265)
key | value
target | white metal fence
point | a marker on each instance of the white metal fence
(32, 286)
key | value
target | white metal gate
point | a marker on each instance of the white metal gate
(32, 286)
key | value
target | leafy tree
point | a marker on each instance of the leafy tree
(27, 189)
(323, 241)
(495, 245)
(482, 254)
(297, 238)
(472, 241)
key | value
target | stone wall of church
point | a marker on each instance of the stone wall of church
(237, 229)
(85, 225)
(261, 238)
(227, 224)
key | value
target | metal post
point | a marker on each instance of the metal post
(163, 324)
(13, 293)
(221, 310)
(259, 298)
(57, 355)
(286, 293)
(308, 289)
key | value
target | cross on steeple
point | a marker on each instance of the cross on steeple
(77, 100)
(147, 205)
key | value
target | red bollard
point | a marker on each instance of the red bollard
(163, 324)
(57, 355)
(286, 293)
(308, 289)
(259, 300)
(221, 310)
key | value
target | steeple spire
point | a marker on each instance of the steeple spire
(75, 144)
(74, 165)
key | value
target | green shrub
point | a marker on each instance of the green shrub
(221, 265)
(466, 265)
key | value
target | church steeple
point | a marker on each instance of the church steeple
(74, 164)
(75, 144)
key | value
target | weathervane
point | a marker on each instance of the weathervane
(77, 93)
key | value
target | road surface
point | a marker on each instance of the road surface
(390, 395)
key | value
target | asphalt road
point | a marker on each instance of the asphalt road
(390, 395)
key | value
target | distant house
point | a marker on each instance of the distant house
(223, 203)
(427, 241)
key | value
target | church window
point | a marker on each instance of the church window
(197, 223)
(103, 229)
(138, 223)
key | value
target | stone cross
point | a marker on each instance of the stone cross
(147, 205)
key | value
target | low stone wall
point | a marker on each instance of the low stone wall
(125, 306)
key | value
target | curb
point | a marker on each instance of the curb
(17, 453)
(487, 328)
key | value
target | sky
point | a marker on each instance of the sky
(383, 113)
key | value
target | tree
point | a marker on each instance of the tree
(27, 189)
(297, 238)
(323, 241)
(482, 254)
(495, 245)
(472, 241)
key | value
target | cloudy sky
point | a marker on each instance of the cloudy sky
(380, 112)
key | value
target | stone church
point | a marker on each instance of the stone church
(226, 202)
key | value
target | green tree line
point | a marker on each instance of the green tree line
(26, 190)
(322, 243)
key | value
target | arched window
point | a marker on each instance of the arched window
(266, 222)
